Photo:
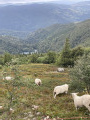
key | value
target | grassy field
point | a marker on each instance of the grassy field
(26, 94)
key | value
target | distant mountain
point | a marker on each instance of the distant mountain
(13, 33)
(50, 38)
(31, 17)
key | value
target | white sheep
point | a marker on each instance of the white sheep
(1, 107)
(7, 78)
(38, 81)
(11, 110)
(60, 89)
(80, 101)
(60, 69)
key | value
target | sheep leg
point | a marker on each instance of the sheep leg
(54, 94)
(87, 106)
(76, 108)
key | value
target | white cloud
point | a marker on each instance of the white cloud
(22, 1)
(30, 1)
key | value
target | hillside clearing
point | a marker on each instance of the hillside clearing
(27, 94)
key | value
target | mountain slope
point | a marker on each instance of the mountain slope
(12, 45)
(50, 38)
(34, 16)
(53, 37)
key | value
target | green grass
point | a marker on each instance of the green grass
(29, 94)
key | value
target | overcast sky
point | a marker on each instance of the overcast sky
(30, 1)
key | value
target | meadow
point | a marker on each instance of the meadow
(25, 94)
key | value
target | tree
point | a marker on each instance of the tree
(34, 58)
(65, 57)
(51, 57)
(80, 74)
(76, 53)
(7, 57)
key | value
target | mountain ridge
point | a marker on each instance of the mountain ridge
(34, 16)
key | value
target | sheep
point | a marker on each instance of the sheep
(38, 81)
(11, 110)
(1, 107)
(80, 101)
(8, 78)
(60, 89)
(60, 69)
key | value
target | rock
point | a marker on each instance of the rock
(34, 119)
(34, 107)
(30, 115)
(29, 112)
(46, 118)
(38, 113)
(25, 118)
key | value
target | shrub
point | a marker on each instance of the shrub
(80, 74)
(7, 57)
(0, 66)
(1, 61)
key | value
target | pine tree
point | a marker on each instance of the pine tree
(65, 58)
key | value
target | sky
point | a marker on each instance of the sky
(31, 1)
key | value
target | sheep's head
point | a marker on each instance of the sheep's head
(74, 94)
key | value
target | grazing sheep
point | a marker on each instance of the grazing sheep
(38, 81)
(1, 107)
(60, 69)
(80, 101)
(11, 110)
(8, 78)
(60, 89)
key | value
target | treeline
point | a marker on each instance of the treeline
(66, 57)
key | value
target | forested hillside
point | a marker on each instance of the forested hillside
(12, 45)
(50, 38)
(53, 37)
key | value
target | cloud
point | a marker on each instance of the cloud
(30, 1)
(22, 1)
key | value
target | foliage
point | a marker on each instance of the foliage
(1, 60)
(68, 56)
(11, 86)
(65, 57)
(76, 53)
(80, 74)
(7, 57)
(49, 58)
(33, 58)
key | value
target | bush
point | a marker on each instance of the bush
(80, 74)
(34, 58)
(1, 61)
(7, 57)
(0, 66)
